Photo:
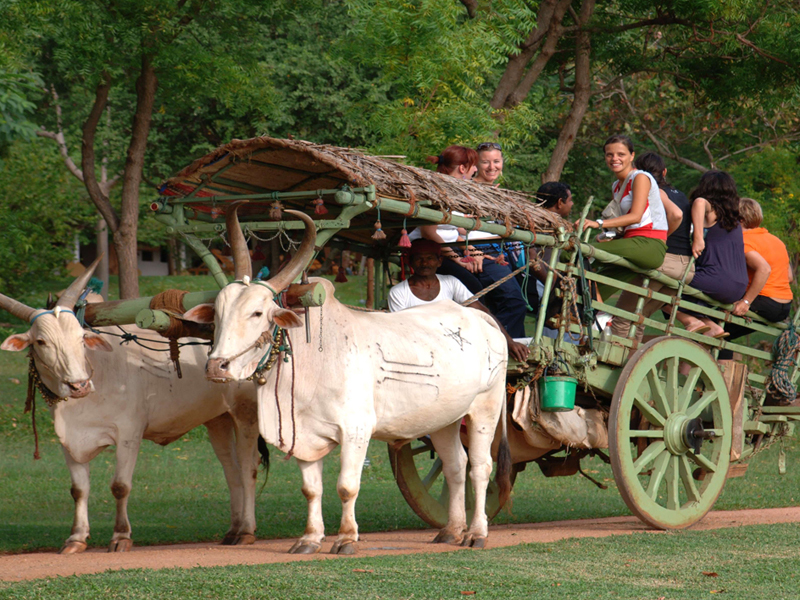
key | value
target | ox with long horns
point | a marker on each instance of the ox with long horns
(392, 377)
(133, 393)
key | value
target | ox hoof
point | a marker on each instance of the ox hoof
(73, 548)
(233, 539)
(476, 541)
(446, 537)
(345, 547)
(121, 545)
(305, 548)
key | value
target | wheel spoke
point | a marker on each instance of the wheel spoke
(420, 449)
(649, 455)
(672, 382)
(657, 393)
(695, 409)
(673, 484)
(703, 462)
(657, 434)
(657, 476)
(688, 481)
(433, 474)
(649, 412)
(688, 388)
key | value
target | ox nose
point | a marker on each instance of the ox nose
(217, 370)
(79, 388)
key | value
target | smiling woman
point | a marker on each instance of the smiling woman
(490, 163)
(642, 215)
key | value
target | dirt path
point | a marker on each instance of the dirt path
(34, 566)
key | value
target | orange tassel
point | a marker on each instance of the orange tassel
(275, 211)
(340, 276)
(319, 207)
(378, 235)
(405, 241)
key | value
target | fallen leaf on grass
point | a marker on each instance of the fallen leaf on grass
(718, 591)
(14, 380)
(363, 570)
(710, 574)
(467, 593)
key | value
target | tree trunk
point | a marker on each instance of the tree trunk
(581, 95)
(102, 249)
(129, 214)
(517, 63)
(172, 257)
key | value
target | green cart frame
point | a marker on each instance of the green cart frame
(673, 438)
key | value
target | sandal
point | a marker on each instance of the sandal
(701, 329)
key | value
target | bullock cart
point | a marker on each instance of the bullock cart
(673, 420)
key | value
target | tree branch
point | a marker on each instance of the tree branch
(96, 193)
(662, 148)
(580, 100)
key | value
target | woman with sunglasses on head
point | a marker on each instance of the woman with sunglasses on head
(490, 163)
(643, 217)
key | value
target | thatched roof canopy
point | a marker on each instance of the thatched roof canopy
(265, 165)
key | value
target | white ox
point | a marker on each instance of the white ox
(392, 377)
(131, 394)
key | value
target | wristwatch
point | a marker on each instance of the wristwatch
(600, 223)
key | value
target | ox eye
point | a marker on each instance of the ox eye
(41, 343)
(258, 314)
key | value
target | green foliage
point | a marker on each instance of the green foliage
(16, 108)
(42, 207)
(435, 63)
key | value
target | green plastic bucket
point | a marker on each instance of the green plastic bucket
(557, 393)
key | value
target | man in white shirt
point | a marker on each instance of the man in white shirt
(426, 287)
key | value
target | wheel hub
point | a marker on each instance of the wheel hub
(675, 434)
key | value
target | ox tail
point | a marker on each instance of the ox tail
(502, 475)
(263, 450)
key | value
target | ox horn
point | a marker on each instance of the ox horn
(283, 279)
(18, 309)
(242, 267)
(70, 296)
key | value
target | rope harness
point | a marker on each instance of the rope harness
(780, 384)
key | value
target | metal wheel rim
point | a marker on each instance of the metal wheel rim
(650, 382)
(427, 494)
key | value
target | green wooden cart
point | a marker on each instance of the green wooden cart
(679, 421)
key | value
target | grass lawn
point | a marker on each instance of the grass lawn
(743, 563)
(179, 492)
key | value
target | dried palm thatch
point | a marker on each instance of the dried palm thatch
(264, 165)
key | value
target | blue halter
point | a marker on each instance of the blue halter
(51, 312)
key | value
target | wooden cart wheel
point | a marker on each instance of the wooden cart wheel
(419, 476)
(670, 434)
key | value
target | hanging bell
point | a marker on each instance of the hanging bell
(261, 380)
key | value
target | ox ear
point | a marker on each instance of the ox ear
(202, 313)
(96, 342)
(286, 318)
(16, 342)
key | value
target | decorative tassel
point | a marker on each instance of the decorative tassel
(340, 276)
(275, 213)
(405, 241)
(319, 207)
(378, 235)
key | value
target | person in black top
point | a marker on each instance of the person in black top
(679, 244)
